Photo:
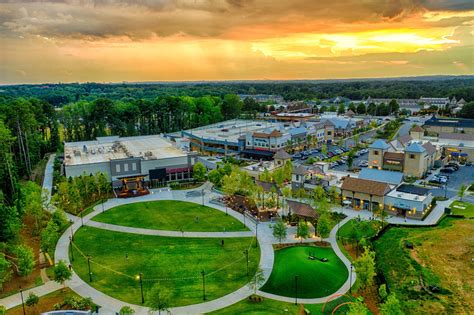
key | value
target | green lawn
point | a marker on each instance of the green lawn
(366, 228)
(462, 208)
(163, 258)
(270, 307)
(315, 278)
(171, 215)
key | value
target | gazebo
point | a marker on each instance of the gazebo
(302, 210)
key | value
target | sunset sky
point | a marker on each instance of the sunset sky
(168, 40)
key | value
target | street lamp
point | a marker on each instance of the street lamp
(139, 277)
(202, 194)
(82, 219)
(72, 231)
(203, 285)
(89, 265)
(102, 206)
(296, 289)
(246, 253)
(350, 280)
(22, 301)
(256, 232)
(70, 246)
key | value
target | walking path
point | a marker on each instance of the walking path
(15, 299)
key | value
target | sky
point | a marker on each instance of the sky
(184, 40)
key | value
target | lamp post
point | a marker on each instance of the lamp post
(22, 301)
(203, 285)
(70, 246)
(89, 265)
(140, 276)
(102, 206)
(82, 219)
(256, 232)
(202, 194)
(243, 213)
(72, 231)
(246, 252)
(296, 289)
(350, 281)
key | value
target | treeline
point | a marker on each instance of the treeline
(87, 120)
(62, 94)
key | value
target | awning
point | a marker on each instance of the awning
(454, 153)
(463, 154)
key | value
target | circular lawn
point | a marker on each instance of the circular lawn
(171, 215)
(173, 263)
(315, 277)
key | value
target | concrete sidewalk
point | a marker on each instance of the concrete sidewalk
(15, 299)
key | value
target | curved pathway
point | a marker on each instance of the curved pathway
(133, 230)
(112, 305)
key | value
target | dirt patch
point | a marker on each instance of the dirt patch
(371, 298)
(45, 304)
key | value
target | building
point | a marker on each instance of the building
(128, 160)
(417, 133)
(308, 177)
(409, 201)
(409, 157)
(435, 126)
(256, 139)
(389, 177)
(364, 194)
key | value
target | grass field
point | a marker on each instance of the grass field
(442, 257)
(366, 228)
(160, 259)
(171, 215)
(315, 278)
(462, 208)
(270, 307)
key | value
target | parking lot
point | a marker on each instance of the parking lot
(332, 152)
(465, 175)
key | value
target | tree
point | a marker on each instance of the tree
(257, 280)
(461, 191)
(10, 222)
(3, 310)
(25, 260)
(126, 310)
(279, 230)
(372, 109)
(199, 172)
(393, 106)
(49, 237)
(361, 108)
(231, 106)
(323, 109)
(302, 231)
(158, 298)
(324, 149)
(5, 272)
(324, 225)
(467, 111)
(350, 159)
(32, 300)
(332, 108)
(333, 194)
(59, 218)
(383, 292)
(318, 193)
(365, 267)
(357, 308)
(62, 272)
(215, 177)
(392, 306)
(341, 109)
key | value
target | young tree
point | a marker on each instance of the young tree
(341, 109)
(199, 172)
(392, 306)
(361, 108)
(365, 267)
(357, 308)
(319, 193)
(333, 194)
(257, 280)
(383, 292)
(158, 298)
(5, 272)
(302, 231)
(215, 177)
(62, 272)
(32, 300)
(461, 191)
(25, 260)
(332, 108)
(350, 159)
(279, 230)
(324, 225)
(49, 237)
(3, 310)
(126, 310)
(10, 222)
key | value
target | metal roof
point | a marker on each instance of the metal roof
(415, 147)
(379, 144)
(393, 178)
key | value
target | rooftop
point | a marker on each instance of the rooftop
(365, 186)
(417, 129)
(415, 147)
(379, 144)
(456, 136)
(231, 130)
(458, 123)
(392, 178)
(104, 149)
(412, 189)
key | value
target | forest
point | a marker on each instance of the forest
(62, 94)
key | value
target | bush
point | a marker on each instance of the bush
(32, 299)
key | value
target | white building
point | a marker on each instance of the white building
(145, 157)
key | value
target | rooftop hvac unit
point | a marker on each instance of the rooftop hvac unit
(148, 154)
(77, 153)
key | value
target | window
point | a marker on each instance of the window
(412, 156)
(134, 166)
(125, 167)
(376, 152)
(117, 168)
(329, 133)
(297, 177)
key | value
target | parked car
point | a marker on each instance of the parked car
(330, 154)
(468, 164)
(356, 154)
(363, 164)
(453, 165)
(304, 157)
(297, 156)
(363, 151)
(332, 164)
(448, 170)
